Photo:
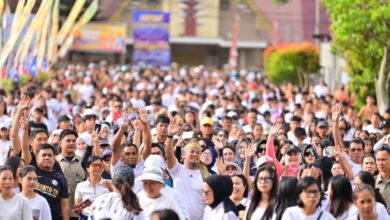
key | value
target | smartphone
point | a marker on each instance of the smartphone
(328, 151)
(188, 135)
(83, 205)
(98, 127)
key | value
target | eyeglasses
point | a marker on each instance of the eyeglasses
(307, 154)
(203, 146)
(264, 180)
(356, 149)
(96, 165)
(315, 192)
(260, 150)
(206, 154)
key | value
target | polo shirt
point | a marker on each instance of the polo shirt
(85, 190)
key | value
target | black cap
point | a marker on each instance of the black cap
(385, 124)
(292, 148)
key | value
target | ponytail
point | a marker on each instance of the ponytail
(129, 199)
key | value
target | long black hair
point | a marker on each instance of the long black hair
(305, 183)
(287, 196)
(123, 180)
(257, 194)
(369, 179)
(341, 198)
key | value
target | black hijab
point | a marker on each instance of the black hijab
(222, 188)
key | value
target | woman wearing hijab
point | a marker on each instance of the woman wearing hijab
(216, 191)
(208, 157)
(240, 155)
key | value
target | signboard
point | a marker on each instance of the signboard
(101, 37)
(151, 38)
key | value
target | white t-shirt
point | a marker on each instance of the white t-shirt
(16, 208)
(379, 208)
(356, 168)
(218, 213)
(4, 149)
(178, 198)
(163, 202)
(189, 184)
(40, 208)
(85, 190)
(110, 206)
(295, 213)
(137, 172)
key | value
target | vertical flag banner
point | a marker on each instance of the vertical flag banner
(43, 42)
(68, 25)
(85, 18)
(233, 55)
(1, 7)
(52, 47)
(21, 19)
(18, 12)
(151, 38)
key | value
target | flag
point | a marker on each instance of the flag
(67, 26)
(33, 31)
(52, 47)
(20, 19)
(1, 6)
(233, 55)
(43, 42)
(85, 18)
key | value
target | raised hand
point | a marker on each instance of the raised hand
(221, 166)
(336, 113)
(138, 125)
(143, 115)
(275, 128)
(25, 102)
(24, 122)
(94, 137)
(174, 127)
(218, 144)
(250, 150)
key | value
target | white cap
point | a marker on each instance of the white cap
(155, 160)
(89, 111)
(4, 125)
(153, 173)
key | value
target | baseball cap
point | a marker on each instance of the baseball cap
(106, 153)
(4, 125)
(322, 124)
(89, 113)
(152, 173)
(264, 160)
(292, 148)
(155, 160)
(207, 120)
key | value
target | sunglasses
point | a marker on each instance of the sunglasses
(260, 150)
(307, 154)
(356, 150)
(96, 165)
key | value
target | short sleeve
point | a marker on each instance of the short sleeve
(78, 194)
(64, 186)
(175, 169)
(46, 213)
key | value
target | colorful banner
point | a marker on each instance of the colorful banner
(85, 18)
(68, 25)
(151, 38)
(233, 55)
(100, 37)
(52, 46)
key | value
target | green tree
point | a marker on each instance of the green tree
(291, 63)
(361, 34)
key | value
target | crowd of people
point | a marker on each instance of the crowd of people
(102, 142)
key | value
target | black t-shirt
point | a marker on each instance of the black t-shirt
(34, 126)
(53, 187)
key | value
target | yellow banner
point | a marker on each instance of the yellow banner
(35, 27)
(85, 18)
(67, 27)
(21, 16)
(43, 42)
(1, 7)
(52, 47)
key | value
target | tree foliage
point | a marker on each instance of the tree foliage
(291, 62)
(361, 33)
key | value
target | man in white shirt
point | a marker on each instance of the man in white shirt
(187, 177)
(151, 197)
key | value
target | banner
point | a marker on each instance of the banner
(52, 45)
(85, 18)
(100, 37)
(233, 55)
(151, 38)
(68, 25)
